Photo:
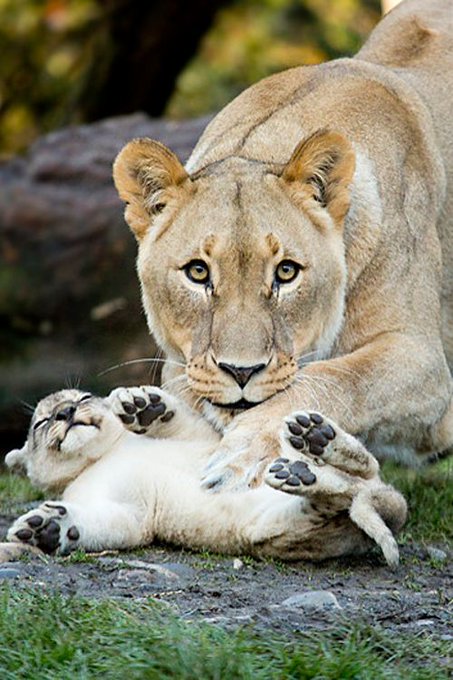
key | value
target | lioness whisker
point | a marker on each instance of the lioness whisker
(138, 361)
(302, 359)
(173, 380)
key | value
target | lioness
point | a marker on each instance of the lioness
(130, 468)
(302, 259)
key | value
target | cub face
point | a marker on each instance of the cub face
(69, 430)
(242, 264)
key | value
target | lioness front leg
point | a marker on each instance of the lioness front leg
(150, 411)
(322, 462)
(59, 527)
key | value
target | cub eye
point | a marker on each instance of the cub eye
(39, 423)
(287, 271)
(85, 397)
(197, 271)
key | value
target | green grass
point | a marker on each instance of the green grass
(51, 637)
(15, 490)
(429, 494)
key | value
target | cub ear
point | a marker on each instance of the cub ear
(146, 175)
(15, 459)
(323, 165)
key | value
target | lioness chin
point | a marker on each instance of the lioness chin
(303, 258)
(129, 469)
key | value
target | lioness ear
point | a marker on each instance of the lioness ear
(323, 164)
(146, 175)
(15, 459)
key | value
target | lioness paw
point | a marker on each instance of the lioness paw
(49, 527)
(143, 410)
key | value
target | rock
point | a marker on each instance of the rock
(314, 599)
(436, 553)
(170, 570)
(8, 573)
(425, 622)
(67, 265)
(237, 564)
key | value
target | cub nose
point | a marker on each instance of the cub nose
(65, 413)
(241, 374)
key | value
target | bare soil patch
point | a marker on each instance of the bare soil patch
(415, 599)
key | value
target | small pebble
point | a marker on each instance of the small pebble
(315, 599)
(237, 564)
(436, 553)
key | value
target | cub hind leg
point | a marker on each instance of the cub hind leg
(321, 439)
(59, 527)
(335, 472)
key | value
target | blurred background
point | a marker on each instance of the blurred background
(79, 78)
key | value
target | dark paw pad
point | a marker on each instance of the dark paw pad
(301, 471)
(129, 407)
(151, 412)
(310, 431)
(48, 538)
(292, 474)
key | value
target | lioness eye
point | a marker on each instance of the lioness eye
(197, 271)
(85, 397)
(286, 271)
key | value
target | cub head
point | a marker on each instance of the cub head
(242, 263)
(69, 430)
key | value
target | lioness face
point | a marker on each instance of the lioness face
(241, 265)
(68, 430)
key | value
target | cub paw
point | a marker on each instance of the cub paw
(142, 409)
(48, 528)
(290, 476)
(309, 432)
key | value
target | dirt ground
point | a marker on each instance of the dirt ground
(201, 586)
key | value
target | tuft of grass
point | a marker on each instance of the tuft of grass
(15, 490)
(49, 637)
(429, 494)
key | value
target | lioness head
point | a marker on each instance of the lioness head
(241, 264)
(69, 430)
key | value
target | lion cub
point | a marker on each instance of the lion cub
(128, 468)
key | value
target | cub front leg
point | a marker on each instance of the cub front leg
(150, 411)
(59, 527)
(143, 410)
(335, 472)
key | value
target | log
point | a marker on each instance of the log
(69, 296)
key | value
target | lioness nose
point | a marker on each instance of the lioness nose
(65, 413)
(241, 374)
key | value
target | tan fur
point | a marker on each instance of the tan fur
(122, 489)
(364, 333)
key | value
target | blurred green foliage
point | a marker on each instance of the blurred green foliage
(44, 48)
(47, 45)
(255, 38)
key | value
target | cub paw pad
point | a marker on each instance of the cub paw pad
(139, 407)
(291, 474)
(46, 529)
(310, 431)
